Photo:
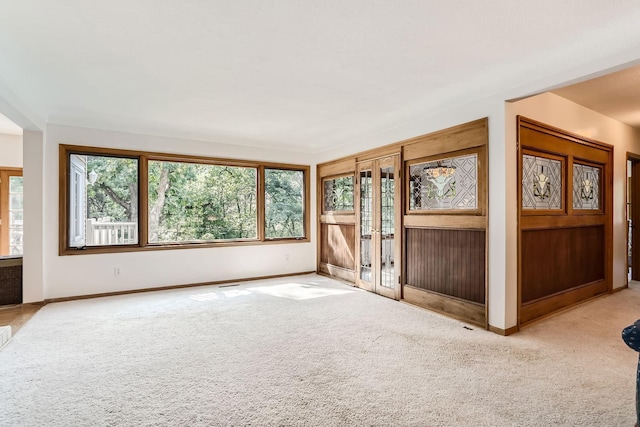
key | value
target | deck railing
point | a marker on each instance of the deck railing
(111, 233)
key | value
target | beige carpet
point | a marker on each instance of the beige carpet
(310, 351)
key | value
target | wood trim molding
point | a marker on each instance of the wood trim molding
(448, 144)
(539, 308)
(504, 332)
(561, 133)
(341, 273)
(336, 168)
(396, 146)
(454, 307)
(172, 157)
(338, 219)
(445, 221)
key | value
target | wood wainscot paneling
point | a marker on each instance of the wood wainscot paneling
(448, 262)
(446, 245)
(560, 259)
(338, 245)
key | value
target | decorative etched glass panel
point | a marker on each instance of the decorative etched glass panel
(338, 194)
(541, 183)
(445, 184)
(387, 231)
(586, 187)
(366, 224)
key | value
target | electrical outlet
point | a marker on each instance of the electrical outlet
(117, 271)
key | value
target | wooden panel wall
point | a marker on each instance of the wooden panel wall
(548, 270)
(336, 230)
(565, 255)
(459, 287)
(337, 246)
(449, 262)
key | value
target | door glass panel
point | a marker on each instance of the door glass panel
(586, 187)
(387, 228)
(15, 215)
(541, 183)
(366, 213)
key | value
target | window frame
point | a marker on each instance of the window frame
(5, 233)
(143, 157)
(305, 203)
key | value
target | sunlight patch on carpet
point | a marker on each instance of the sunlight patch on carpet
(236, 293)
(205, 297)
(297, 291)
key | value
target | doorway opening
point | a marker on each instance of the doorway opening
(633, 217)
(11, 213)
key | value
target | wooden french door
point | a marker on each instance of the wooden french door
(378, 211)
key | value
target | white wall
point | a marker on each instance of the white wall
(10, 150)
(91, 274)
(33, 261)
(564, 114)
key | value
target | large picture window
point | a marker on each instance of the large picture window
(198, 202)
(119, 200)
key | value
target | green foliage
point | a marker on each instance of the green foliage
(204, 202)
(114, 195)
(284, 204)
(338, 194)
(197, 202)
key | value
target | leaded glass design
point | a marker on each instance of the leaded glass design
(445, 184)
(586, 187)
(338, 194)
(387, 231)
(366, 225)
(541, 183)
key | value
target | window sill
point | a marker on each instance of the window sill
(171, 246)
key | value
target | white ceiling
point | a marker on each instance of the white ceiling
(616, 95)
(8, 127)
(296, 74)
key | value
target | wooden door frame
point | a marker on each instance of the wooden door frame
(635, 213)
(5, 174)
